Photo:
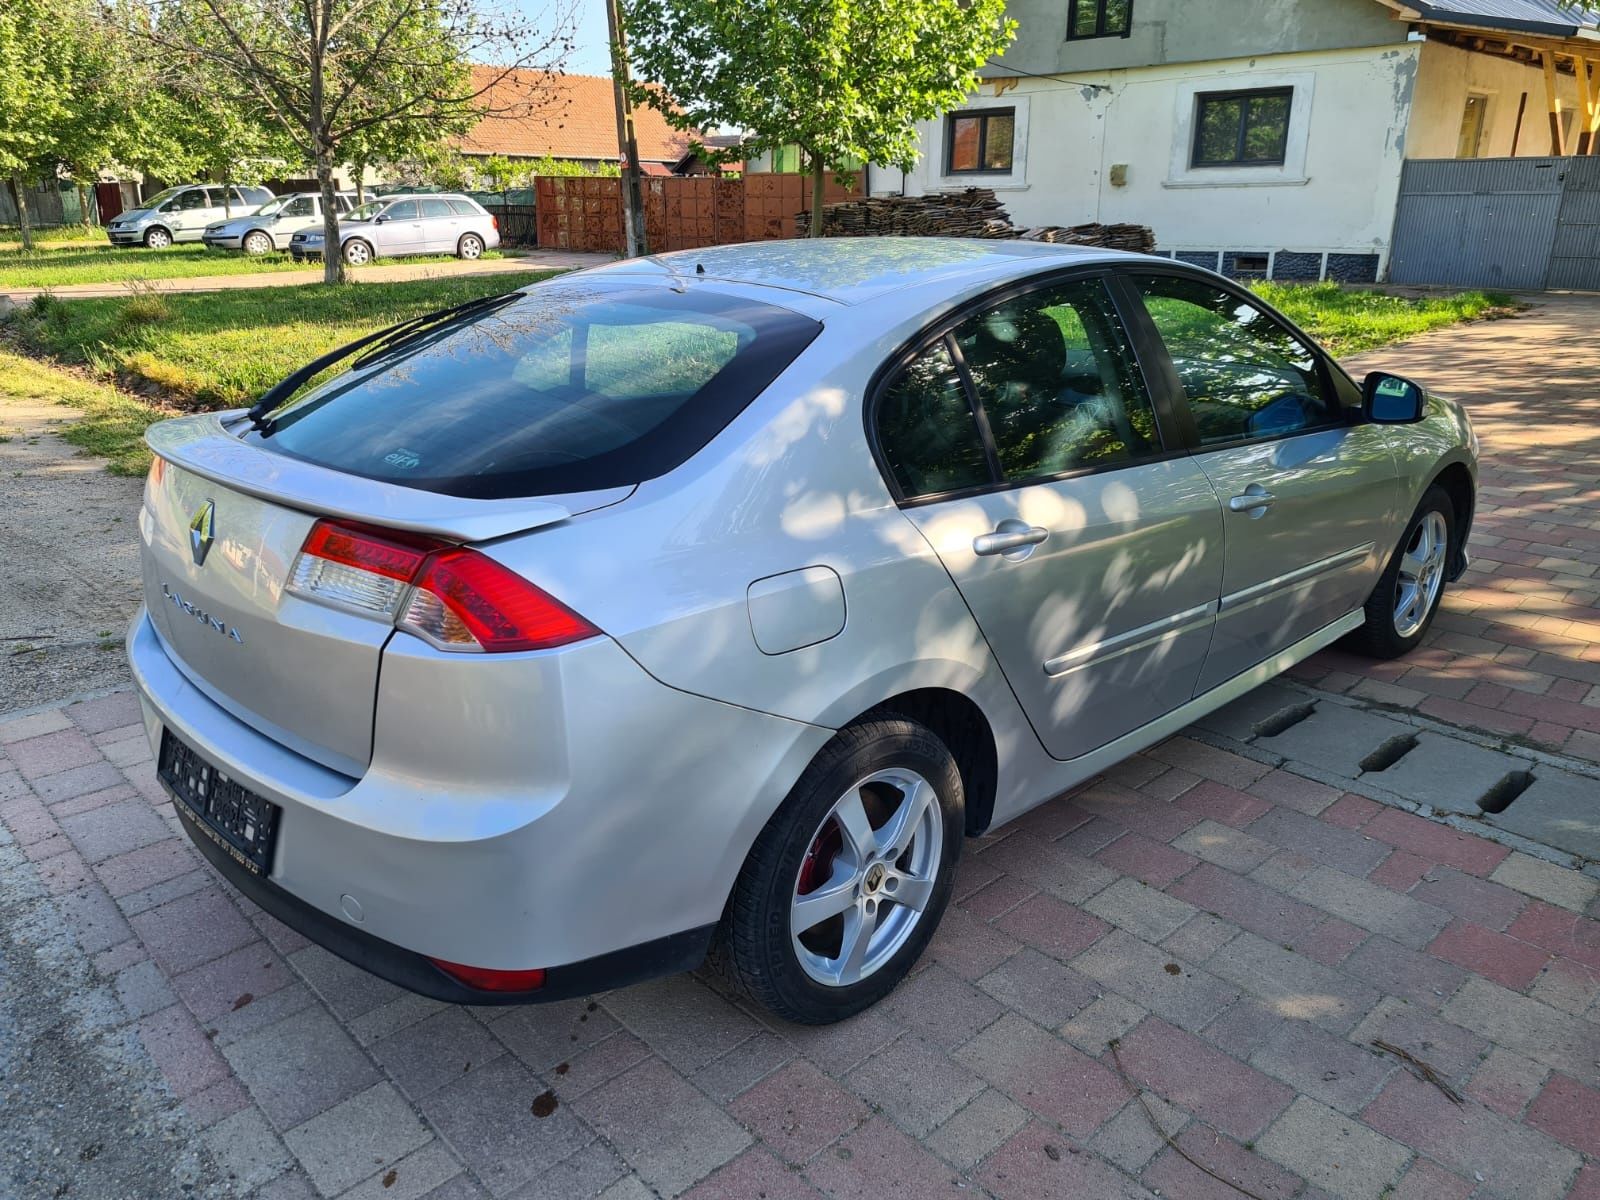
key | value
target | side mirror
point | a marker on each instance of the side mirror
(1391, 400)
(380, 219)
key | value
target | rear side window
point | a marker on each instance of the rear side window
(568, 389)
(926, 429)
(435, 208)
(1056, 378)
(462, 208)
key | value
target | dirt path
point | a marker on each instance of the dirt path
(70, 533)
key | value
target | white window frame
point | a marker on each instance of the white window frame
(934, 137)
(1291, 172)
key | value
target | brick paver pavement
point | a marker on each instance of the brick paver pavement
(1516, 649)
(1242, 934)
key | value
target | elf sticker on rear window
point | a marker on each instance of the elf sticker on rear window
(406, 460)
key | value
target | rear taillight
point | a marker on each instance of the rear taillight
(455, 598)
(495, 221)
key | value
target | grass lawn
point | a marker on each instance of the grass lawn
(113, 422)
(61, 265)
(55, 235)
(1348, 322)
(223, 349)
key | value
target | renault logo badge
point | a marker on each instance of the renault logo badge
(200, 532)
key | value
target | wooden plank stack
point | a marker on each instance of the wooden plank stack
(969, 212)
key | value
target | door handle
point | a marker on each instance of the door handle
(1004, 540)
(1256, 500)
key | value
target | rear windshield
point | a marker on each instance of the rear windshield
(570, 388)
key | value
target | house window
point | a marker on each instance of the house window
(1098, 18)
(1242, 129)
(978, 143)
(1471, 139)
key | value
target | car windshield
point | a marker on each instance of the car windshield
(367, 211)
(162, 197)
(272, 206)
(570, 388)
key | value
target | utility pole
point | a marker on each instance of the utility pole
(627, 142)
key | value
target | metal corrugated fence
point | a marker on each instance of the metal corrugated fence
(1522, 224)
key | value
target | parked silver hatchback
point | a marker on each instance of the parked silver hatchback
(271, 226)
(713, 599)
(400, 225)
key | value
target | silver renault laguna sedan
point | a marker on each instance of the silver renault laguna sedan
(708, 601)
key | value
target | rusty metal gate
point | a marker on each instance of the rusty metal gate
(1522, 224)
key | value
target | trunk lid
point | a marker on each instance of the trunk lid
(222, 524)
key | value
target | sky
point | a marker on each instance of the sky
(591, 56)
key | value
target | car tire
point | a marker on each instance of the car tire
(884, 771)
(257, 243)
(357, 253)
(1407, 595)
(470, 246)
(157, 238)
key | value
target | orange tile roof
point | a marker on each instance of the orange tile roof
(532, 113)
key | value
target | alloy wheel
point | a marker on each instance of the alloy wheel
(357, 254)
(257, 243)
(158, 239)
(1421, 574)
(470, 247)
(867, 877)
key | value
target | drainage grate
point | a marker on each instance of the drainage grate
(1506, 789)
(1391, 752)
(1286, 719)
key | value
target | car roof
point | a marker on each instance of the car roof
(854, 270)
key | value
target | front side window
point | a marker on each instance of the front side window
(1244, 374)
(1242, 129)
(980, 142)
(927, 433)
(1057, 379)
(300, 206)
(1099, 18)
(566, 388)
(192, 200)
(406, 210)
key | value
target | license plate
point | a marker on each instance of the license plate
(235, 818)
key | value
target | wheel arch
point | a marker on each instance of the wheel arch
(250, 233)
(962, 726)
(171, 237)
(1457, 481)
(355, 237)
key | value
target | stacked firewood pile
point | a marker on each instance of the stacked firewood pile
(1138, 238)
(970, 212)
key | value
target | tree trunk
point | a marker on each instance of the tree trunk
(360, 169)
(818, 183)
(83, 205)
(227, 195)
(19, 197)
(332, 252)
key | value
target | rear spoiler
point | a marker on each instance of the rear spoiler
(204, 445)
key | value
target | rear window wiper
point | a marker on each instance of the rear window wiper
(374, 345)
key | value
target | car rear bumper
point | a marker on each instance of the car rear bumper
(608, 863)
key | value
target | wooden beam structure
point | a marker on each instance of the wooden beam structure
(1552, 100)
(1589, 77)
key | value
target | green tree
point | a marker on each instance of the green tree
(842, 79)
(53, 59)
(335, 74)
(498, 171)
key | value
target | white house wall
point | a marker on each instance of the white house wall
(1335, 194)
(1445, 78)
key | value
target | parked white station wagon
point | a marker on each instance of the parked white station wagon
(713, 599)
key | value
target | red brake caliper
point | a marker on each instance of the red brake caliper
(817, 867)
